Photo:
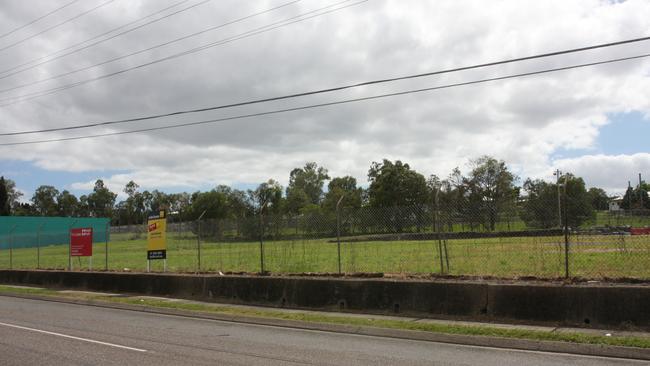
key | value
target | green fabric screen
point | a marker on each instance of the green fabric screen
(28, 232)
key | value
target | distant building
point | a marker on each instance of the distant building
(615, 203)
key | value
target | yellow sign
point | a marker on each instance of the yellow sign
(157, 236)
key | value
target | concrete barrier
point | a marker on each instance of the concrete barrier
(582, 305)
(592, 305)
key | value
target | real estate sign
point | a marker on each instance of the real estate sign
(157, 236)
(81, 242)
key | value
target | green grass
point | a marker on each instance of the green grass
(446, 328)
(606, 218)
(594, 256)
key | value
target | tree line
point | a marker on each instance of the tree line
(481, 198)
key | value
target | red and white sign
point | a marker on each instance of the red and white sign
(81, 242)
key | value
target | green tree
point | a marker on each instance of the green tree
(636, 198)
(453, 201)
(305, 186)
(130, 205)
(239, 209)
(267, 201)
(297, 199)
(237, 202)
(101, 200)
(599, 199)
(67, 204)
(120, 214)
(44, 201)
(491, 188)
(160, 201)
(345, 187)
(213, 203)
(23, 209)
(540, 208)
(395, 184)
(267, 197)
(5, 205)
(13, 197)
(180, 203)
(146, 203)
(83, 209)
(578, 202)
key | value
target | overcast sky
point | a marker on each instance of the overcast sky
(593, 122)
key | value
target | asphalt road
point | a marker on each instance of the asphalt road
(36, 332)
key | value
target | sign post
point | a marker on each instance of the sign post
(157, 238)
(81, 244)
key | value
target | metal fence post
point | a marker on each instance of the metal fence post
(566, 232)
(106, 235)
(11, 245)
(38, 246)
(437, 224)
(338, 230)
(198, 241)
(70, 246)
(442, 232)
(557, 174)
(262, 237)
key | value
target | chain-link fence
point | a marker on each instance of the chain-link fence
(42, 242)
(509, 239)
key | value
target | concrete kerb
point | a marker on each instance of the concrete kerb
(468, 340)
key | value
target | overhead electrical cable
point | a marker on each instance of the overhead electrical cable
(55, 26)
(119, 57)
(333, 89)
(151, 48)
(25, 66)
(37, 19)
(298, 18)
(320, 105)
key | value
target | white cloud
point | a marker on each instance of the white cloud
(523, 121)
(604, 170)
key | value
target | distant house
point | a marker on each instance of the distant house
(615, 203)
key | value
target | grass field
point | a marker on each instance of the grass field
(594, 256)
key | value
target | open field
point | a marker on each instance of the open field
(593, 256)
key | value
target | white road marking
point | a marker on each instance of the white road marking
(73, 337)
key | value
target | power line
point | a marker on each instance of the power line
(119, 57)
(56, 25)
(37, 19)
(183, 53)
(338, 88)
(47, 58)
(320, 105)
(263, 29)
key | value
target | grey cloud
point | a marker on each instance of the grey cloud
(516, 120)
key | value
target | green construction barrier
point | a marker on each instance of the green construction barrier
(28, 231)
